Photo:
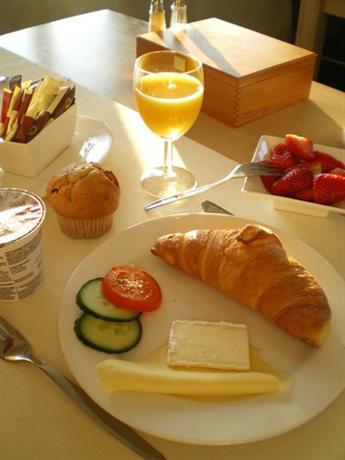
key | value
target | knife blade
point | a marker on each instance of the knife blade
(121, 431)
(209, 206)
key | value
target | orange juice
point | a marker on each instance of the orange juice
(169, 102)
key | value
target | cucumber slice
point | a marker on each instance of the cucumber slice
(107, 336)
(91, 300)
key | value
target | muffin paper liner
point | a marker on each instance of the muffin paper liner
(85, 228)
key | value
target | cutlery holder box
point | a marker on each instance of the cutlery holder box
(247, 74)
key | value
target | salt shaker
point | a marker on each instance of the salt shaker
(178, 13)
(157, 16)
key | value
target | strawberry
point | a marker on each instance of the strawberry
(329, 188)
(278, 149)
(328, 162)
(293, 182)
(302, 147)
(339, 171)
(314, 166)
(268, 180)
(306, 194)
(282, 157)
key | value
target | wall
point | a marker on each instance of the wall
(272, 17)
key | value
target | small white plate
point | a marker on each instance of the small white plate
(317, 375)
(85, 127)
(254, 186)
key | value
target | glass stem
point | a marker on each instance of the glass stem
(2, 177)
(168, 157)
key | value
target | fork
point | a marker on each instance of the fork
(253, 168)
(14, 347)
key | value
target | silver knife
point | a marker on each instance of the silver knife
(209, 206)
(124, 433)
(15, 347)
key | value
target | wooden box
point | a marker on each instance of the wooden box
(247, 74)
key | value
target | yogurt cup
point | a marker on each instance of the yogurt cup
(21, 216)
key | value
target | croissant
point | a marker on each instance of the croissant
(251, 265)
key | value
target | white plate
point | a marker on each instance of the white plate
(254, 186)
(317, 374)
(85, 127)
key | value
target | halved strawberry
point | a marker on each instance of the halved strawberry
(300, 146)
(339, 171)
(282, 157)
(268, 181)
(314, 166)
(329, 188)
(293, 182)
(278, 149)
(306, 194)
(328, 162)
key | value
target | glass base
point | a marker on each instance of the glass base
(158, 184)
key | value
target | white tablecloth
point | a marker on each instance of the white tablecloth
(37, 420)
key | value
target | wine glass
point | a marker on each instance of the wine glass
(169, 89)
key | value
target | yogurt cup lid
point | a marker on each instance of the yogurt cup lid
(21, 212)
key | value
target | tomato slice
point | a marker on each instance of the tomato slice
(132, 288)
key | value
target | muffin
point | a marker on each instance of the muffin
(84, 197)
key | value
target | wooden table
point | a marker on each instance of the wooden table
(97, 50)
(37, 421)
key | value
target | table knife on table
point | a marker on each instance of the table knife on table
(209, 206)
(121, 431)
(14, 347)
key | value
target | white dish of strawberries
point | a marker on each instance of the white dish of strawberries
(312, 177)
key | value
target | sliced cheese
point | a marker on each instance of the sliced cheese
(212, 345)
(152, 375)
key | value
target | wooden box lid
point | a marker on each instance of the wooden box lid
(238, 55)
